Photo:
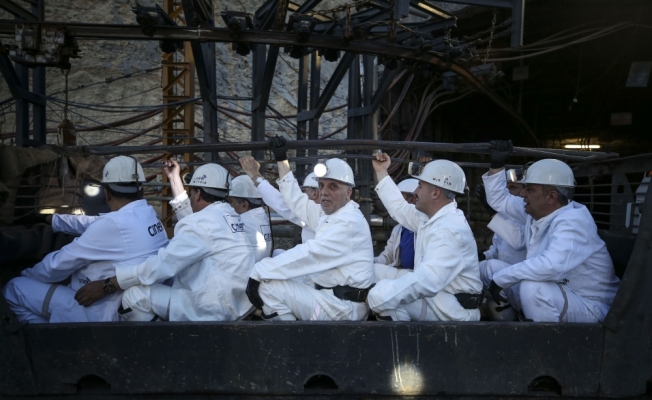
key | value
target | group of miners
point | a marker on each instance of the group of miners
(546, 264)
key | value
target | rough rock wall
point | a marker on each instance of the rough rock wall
(103, 59)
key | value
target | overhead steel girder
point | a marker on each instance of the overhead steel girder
(18, 11)
(133, 32)
(329, 90)
(385, 81)
(15, 84)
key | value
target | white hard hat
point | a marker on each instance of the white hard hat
(408, 185)
(441, 173)
(123, 170)
(211, 177)
(549, 172)
(311, 181)
(243, 186)
(335, 169)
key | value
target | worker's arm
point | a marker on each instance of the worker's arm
(330, 250)
(270, 195)
(440, 264)
(190, 244)
(568, 248)
(298, 202)
(102, 241)
(71, 224)
(180, 202)
(387, 256)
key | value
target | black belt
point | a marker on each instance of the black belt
(347, 292)
(470, 301)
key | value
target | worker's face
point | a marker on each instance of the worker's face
(409, 197)
(312, 193)
(538, 203)
(424, 195)
(515, 189)
(333, 195)
(239, 205)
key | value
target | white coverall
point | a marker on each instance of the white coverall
(210, 260)
(445, 263)
(256, 223)
(567, 275)
(107, 242)
(340, 254)
(274, 199)
(391, 256)
(506, 231)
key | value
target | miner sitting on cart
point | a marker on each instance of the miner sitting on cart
(209, 260)
(506, 244)
(274, 199)
(328, 277)
(399, 251)
(567, 275)
(246, 201)
(445, 284)
(127, 235)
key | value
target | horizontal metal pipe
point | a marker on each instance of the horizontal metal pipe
(345, 144)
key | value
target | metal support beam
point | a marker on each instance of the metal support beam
(38, 86)
(315, 86)
(131, 32)
(485, 3)
(329, 90)
(518, 14)
(18, 11)
(204, 55)
(22, 109)
(264, 65)
(302, 105)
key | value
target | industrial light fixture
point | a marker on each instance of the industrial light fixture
(241, 48)
(330, 54)
(66, 129)
(582, 146)
(303, 27)
(47, 211)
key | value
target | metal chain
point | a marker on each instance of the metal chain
(335, 10)
(65, 104)
(347, 26)
(491, 36)
(391, 32)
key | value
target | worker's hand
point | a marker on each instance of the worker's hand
(90, 293)
(250, 166)
(279, 147)
(499, 152)
(495, 290)
(382, 162)
(172, 169)
(481, 194)
(252, 293)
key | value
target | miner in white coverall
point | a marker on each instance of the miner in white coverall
(507, 231)
(274, 199)
(399, 251)
(445, 284)
(209, 260)
(246, 201)
(326, 278)
(127, 235)
(567, 275)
